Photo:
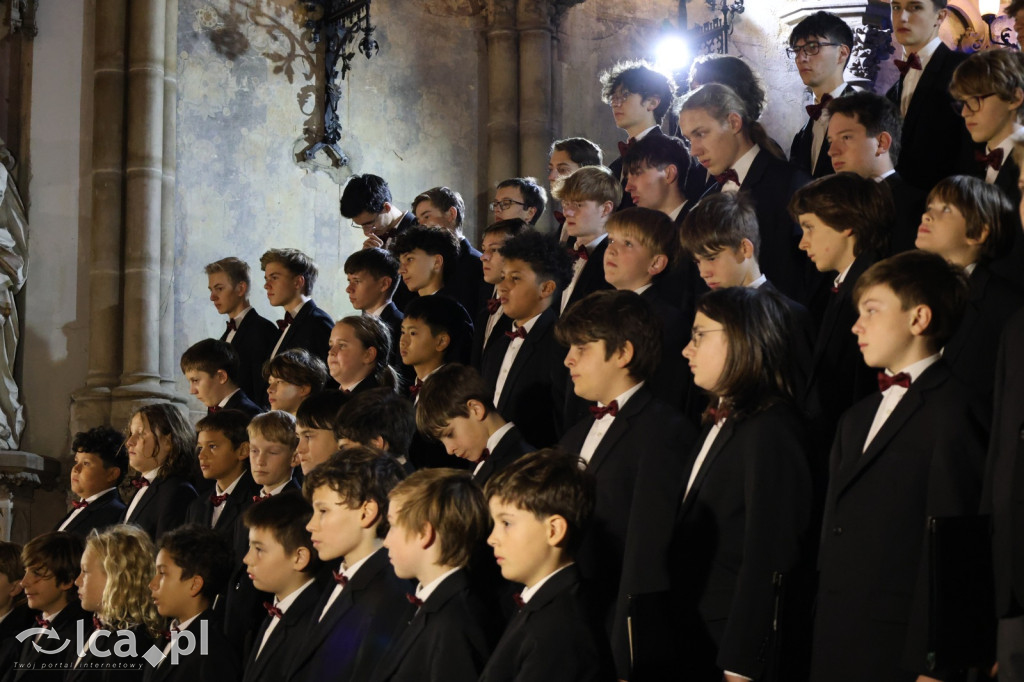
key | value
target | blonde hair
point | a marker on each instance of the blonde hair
(589, 183)
(129, 560)
(277, 426)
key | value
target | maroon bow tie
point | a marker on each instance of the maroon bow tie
(260, 498)
(166, 634)
(624, 147)
(413, 599)
(218, 500)
(834, 289)
(80, 505)
(493, 305)
(484, 454)
(283, 324)
(140, 482)
(726, 177)
(913, 62)
(717, 414)
(43, 623)
(232, 327)
(885, 382)
(519, 333)
(814, 110)
(272, 610)
(579, 253)
(611, 409)
(518, 599)
(96, 624)
(214, 409)
(340, 578)
(415, 388)
(559, 217)
(994, 158)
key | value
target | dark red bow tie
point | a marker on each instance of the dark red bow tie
(814, 110)
(140, 482)
(518, 599)
(834, 289)
(272, 610)
(559, 217)
(415, 388)
(726, 177)
(213, 409)
(994, 158)
(493, 305)
(579, 253)
(611, 409)
(261, 498)
(624, 147)
(718, 414)
(218, 500)
(166, 634)
(283, 324)
(96, 624)
(232, 327)
(913, 62)
(518, 333)
(340, 578)
(413, 599)
(80, 505)
(885, 382)
(43, 623)
(484, 454)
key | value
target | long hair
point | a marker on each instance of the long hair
(719, 101)
(373, 333)
(128, 557)
(166, 420)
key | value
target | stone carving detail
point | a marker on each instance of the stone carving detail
(13, 264)
(871, 46)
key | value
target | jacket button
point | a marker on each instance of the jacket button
(838, 530)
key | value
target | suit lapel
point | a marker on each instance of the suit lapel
(756, 171)
(530, 345)
(976, 295)
(148, 498)
(929, 79)
(724, 434)
(619, 427)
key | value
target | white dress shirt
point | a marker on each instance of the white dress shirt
(913, 76)
(891, 396)
(600, 426)
(510, 357)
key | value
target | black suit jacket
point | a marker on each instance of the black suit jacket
(467, 285)
(65, 624)
(402, 294)
(927, 460)
(639, 467)
(552, 638)
(803, 141)
(201, 511)
(253, 341)
(311, 329)
(273, 662)
(446, 640)
(591, 277)
(362, 623)
(1004, 476)
(935, 142)
(502, 325)
(85, 672)
(910, 205)
(672, 380)
(104, 512)
(534, 392)
(971, 352)
(511, 447)
(392, 317)
(1011, 264)
(163, 507)
(747, 517)
(218, 665)
(20, 618)
(240, 401)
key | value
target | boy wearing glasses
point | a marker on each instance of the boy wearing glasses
(820, 45)
(923, 97)
(519, 198)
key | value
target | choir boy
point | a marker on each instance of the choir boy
(212, 368)
(100, 465)
(289, 276)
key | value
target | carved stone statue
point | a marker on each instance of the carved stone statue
(13, 264)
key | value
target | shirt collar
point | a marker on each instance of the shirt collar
(742, 165)
(841, 277)
(231, 486)
(969, 269)
(350, 571)
(182, 625)
(238, 318)
(290, 599)
(592, 244)
(278, 489)
(295, 313)
(1007, 143)
(625, 395)
(224, 402)
(835, 94)
(884, 175)
(377, 311)
(642, 135)
(917, 369)
(674, 213)
(757, 283)
(926, 52)
(93, 498)
(495, 438)
(644, 288)
(151, 474)
(424, 591)
(528, 592)
(528, 325)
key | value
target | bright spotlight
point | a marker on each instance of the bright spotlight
(671, 55)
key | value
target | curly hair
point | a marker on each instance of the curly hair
(128, 557)
(543, 254)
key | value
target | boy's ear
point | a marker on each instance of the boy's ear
(301, 559)
(305, 391)
(652, 102)
(370, 514)
(111, 474)
(657, 265)
(1018, 98)
(438, 265)
(747, 249)
(243, 451)
(442, 341)
(476, 410)
(243, 289)
(556, 528)
(16, 588)
(981, 238)
(920, 319)
(735, 122)
(884, 143)
(452, 214)
(623, 356)
(384, 284)
(300, 283)
(379, 443)
(547, 288)
(370, 355)
(196, 585)
(221, 377)
(426, 536)
(671, 174)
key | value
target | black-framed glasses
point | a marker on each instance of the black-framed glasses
(504, 204)
(971, 103)
(810, 49)
(697, 335)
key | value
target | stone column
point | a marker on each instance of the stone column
(502, 94)
(536, 128)
(168, 358)
(140, 372)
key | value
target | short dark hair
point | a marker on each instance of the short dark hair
(107, 444)
(444, 315)
(758, 369)
(876, 113)
(734, 72)
(320, 411)
(444, 199)
(167, 420)
(921, 278)
(452, 504)
(299, 367)
(434, 241)
(825, 25)
(444, 395)
(364, 194)
(847, 201)
(58, 553)
(638, 77)
(545, 256)
(509, 228)
(211, 355)
(236, 269)
(233, 424)
(358, 474)
(549, 482)
(581, 151)
(10, 561)
(617, 318)
(659, 151)
(534, 196)
(200, 551)
(376, 262)
(296, 262)
(981, 205)
(378, 413)
(285, 516)
(718, 222)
